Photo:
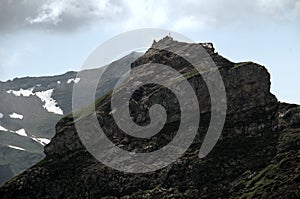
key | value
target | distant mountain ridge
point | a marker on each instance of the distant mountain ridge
(30, 108)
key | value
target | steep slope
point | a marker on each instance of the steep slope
(30, 108)
(256, 156)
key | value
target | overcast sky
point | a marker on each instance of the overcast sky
(41, 37)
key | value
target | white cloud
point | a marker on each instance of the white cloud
(69, 15)
(190, 23)
(195, 15)
(144, 14)
(1, 52)
(50, 13)
(1, 61)
(74, 13)
(281, 10)
(10, 58)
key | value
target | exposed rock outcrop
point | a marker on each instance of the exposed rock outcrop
(256, 156)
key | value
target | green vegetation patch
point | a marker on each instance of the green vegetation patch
(241, 64)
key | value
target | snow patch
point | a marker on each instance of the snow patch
(16, 116)
(45, 96)
(42, 141)
(76, 80)
(50, 103)
(20, 132)
(2, 128)
(23, 92)
(16, 147)
(1, 115)
(58, 82)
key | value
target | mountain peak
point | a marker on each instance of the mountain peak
(168, 48)
(255, 157)
(167, 40)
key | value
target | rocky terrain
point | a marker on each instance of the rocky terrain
(30, 108)
(257, 155)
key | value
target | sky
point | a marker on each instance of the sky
(50, 37)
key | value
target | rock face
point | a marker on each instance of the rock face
(257, 155)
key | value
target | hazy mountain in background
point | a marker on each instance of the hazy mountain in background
(30, 108)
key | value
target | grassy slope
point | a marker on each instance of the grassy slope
(19, 160)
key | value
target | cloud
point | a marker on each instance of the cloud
(1, 65)
(195, 15)
(282, 10)
(10, 58)
(70, 15)
(202, 14)
(14, 12)
(67, 15)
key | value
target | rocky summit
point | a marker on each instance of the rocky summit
(257, 155)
